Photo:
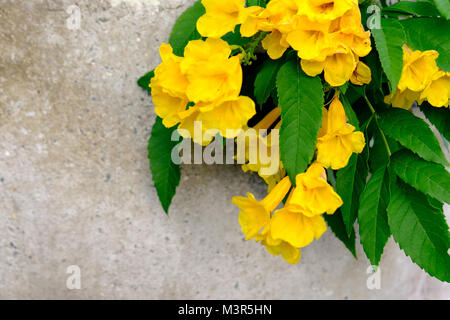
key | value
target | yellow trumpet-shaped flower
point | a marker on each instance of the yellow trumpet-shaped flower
(288, 252)
(222, 16)
(310, 38)
(418, 69)
(337, 139)
(402, 99)
(278, 19)
(255, 221)
(211, 73)
(293, 226)
(326, 10)
(254, 216)
(204, 87)
(338, 66)
(437, 92)
(362, 74)
(314, 194)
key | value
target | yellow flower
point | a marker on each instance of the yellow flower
(250, 26)
(211, 73)
(337, 139)
(310, 38)
(314, 194)
(362, 74)
(275, 44)
(437, 92)
(254, 216)
(402, 99)
(295, 227)
(288, 252)
(349, 30)
(202, 86)
(338, 66)
(326, 10)
(278, 19)
(418, 69)
(221, 17)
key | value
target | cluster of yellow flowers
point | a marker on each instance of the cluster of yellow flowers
(421, 80)
(296, 225)
(327, 34)
(205, 86)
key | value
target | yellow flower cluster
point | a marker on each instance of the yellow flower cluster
(421, 80)
(300, 221)
(327, 34)
(205, 86)
(284, 231)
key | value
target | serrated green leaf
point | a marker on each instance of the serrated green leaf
(350, 182)
(389, 41)
(265, 81)
(372, 215)
(185, 29)
(420, 230)
(336, 224)
(144, 82)
(301, 100)
(412, 133)
(427, 177)
(443, 7)
(419, 8)
(429, 34)
(439, 117)
(166, 174)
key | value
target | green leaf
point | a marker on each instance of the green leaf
(444, 7)
(427, 177)
(379, 156)
(260, 3)
(265, 81)
(350, 182)
(389, 41)
(301, 100)
(412, 133)
(429, 34)
(419, 8)
(372, 215)
(185, 29)
(439, 117)
(235, 38)
(166, 174)
(420, 229)
(144, 82)
(336, 224)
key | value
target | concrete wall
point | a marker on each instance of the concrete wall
(75, 188)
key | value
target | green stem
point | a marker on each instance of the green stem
(375, 115)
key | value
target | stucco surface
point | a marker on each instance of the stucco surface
(75, 188)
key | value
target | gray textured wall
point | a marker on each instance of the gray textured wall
(75, 188)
